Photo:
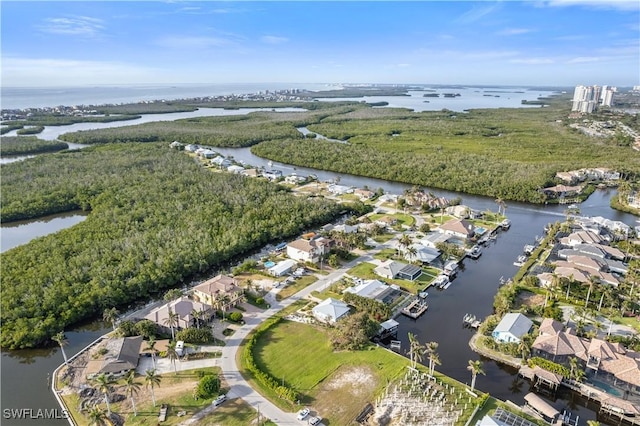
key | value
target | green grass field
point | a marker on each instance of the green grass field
(320, 374)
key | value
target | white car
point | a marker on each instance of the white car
(219, 400)
(313, 421)
(302, 414)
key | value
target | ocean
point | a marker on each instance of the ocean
(41, 97)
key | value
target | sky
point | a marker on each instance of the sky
(541, 43)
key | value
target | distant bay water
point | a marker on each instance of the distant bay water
(468, 97)
(39, 97)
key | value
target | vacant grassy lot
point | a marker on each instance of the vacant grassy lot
(337, 385)
(296, 286)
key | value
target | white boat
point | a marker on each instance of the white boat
(521, 260)
(423, 294)
(441, 281)
(475, 252)
(505, 224)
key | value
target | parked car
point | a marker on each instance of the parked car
(302, 414)
(313, 421)
(219, 400)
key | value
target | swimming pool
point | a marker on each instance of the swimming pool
(480, 230)
(606, 387)
(269, 264)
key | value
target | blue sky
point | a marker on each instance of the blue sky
(558, 42)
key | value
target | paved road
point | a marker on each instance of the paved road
(239, 388)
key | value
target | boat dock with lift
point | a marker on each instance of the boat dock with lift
(471, 321)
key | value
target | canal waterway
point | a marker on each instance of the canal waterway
(25, 372)
(21, 232)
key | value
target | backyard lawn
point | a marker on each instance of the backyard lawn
(365, 270)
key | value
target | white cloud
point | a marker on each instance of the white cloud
(477, 13)
(73, 25)
(193, 42)
(514, 31)
(270, 39)
(597, 4)
(584, 59)
(533, 61)
(60, 72)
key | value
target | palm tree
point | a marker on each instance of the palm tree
(62, 341)
(172, 354)
(476, 368)
(434, 359)
(197, 315)
(111, 316)
(153, 380)
(524, 348)
(151, 347)
(592, 281)
(573, 366)
(132, 388)
(97, 416)
(222, 302)
(415, 350)
(501, 206)
(103, 383)
(172, 321)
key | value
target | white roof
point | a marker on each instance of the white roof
(331, 309)
(424, 254)
(282, 266)
(389, 268)
(514, 323)
(370, 289)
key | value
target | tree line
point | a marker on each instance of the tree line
(18, 145)
(157, 219)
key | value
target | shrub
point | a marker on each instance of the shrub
(195, 335)
(235, 316)
(208, 386)
(146, 328)
(259, 301)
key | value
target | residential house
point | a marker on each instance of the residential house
(311, 250)
(191, 148)
(364, 194)
(459, 228)
(177, 145)
(250, 172)
(582, 237)
(386, 221)
(511, 328)
(434, 238)
(425, 255)
(272, 174)
(283, 267)
(460, 211)
(339, 189)
(221, 292)
(347, 229)
(294, 179)
(611, 361)
(562, 191)
(330, 310)
(389, 269)
(183, 307)
(371, 289)
(235, 169)
(221, 162)
(121, 356)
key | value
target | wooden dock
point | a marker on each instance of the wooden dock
(415, 309)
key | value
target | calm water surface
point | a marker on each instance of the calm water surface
(21, 232)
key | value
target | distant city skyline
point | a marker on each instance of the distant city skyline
(528, 43)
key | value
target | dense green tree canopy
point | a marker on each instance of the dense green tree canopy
(157, 218)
